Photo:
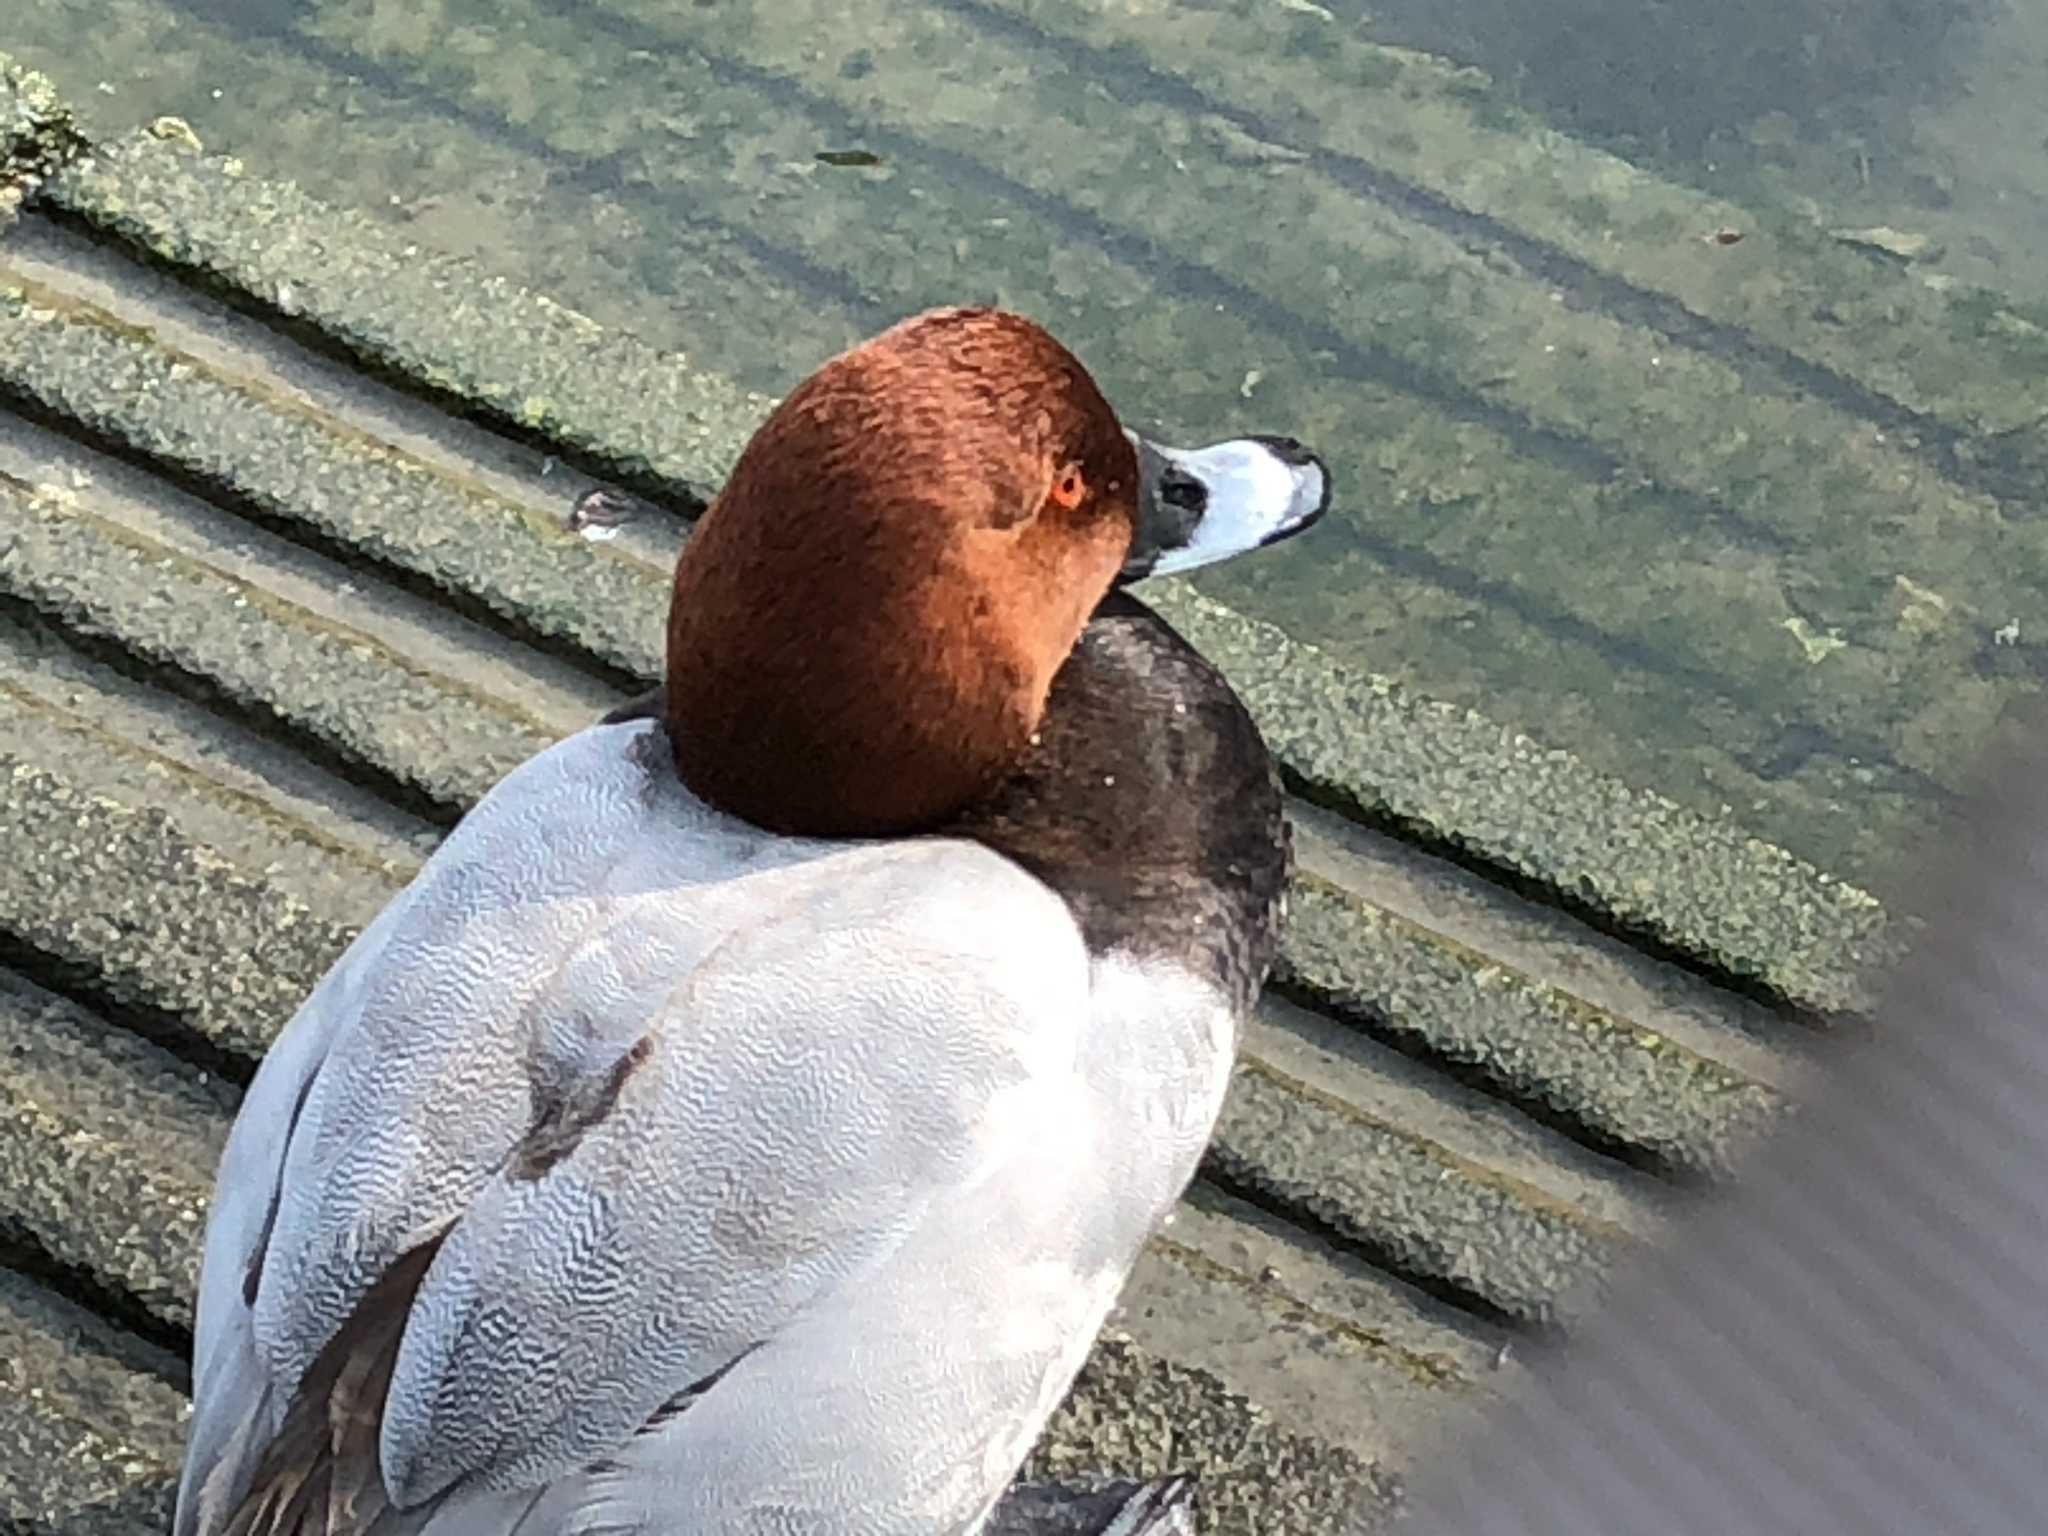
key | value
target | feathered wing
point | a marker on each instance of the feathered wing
(627, 1195)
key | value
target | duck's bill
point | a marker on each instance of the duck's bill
(1200, 505)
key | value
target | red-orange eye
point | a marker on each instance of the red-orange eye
(1069, 486)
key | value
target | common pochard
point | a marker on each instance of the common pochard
(747, 1119)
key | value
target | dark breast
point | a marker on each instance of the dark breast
(1150, 804)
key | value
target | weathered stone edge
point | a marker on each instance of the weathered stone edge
(510, 355)
(287, 466)
(37, 134)
(1625, 1088)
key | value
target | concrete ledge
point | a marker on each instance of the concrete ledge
(89, 1440)
(1638, 1093)
(511, 356)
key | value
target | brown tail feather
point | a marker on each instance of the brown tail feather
(320, 1475)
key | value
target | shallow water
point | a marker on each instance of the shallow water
(1726, 473)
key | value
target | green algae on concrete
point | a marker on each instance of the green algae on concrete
(1734, 466)
(1135, 1414)
(1173, 1274)
(90, 1433)
(151, 925)
(294, 466)
(205, 629)
(142, 1135)
(254, 79)
(1639, 864)
(642, 416)
(1620, 1084)
(1497, 1244)
(74, 724)
(1616, 865)
(1715, 705)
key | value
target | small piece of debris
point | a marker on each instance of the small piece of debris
(1817, 646)
(1900, 244)
(1500, 1356)
(1923, 609)
(1723, 236)
(175, 130)
(1308, 8)
(1240, 145)
(1251, 382)
(2007, 633)
(848, 157)
(599, 513)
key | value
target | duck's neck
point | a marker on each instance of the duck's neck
(1149, 803)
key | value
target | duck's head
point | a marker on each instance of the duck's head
(867, 621)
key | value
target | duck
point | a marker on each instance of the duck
(747, 1119)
